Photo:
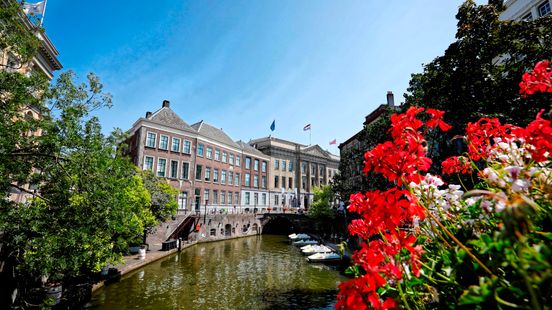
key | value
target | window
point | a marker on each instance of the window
(187, 147)
(283, 165)
(209, 153)
(264, 199)
(207, 173)
(150, 140)
(303, 167)
(198, 172)
(527, 17)
(217, 155)
(276, 197)
(224, 157)
(148, 163)
(182, 200)
(163, 142)
(237, 179)
(175, 145)
(263, 166)
(276, 164)
(247, 198)
(247, 179)
(161, 166)
(185, 171)
(174, 169)
(283, 181)
(222, 198)
(230, 198)
(256, 198)
(216, 176)
(230, 177)
(215, 197)
(248, 163)
(223, 177)
(312, 169)
(263, 181)
(206, 196)
(231, 161)
(255, 180)
(290, 182)
(256, 165)
(237, 198)
(321, 171)
(290, 166)
(238, 158)
(276, 181)
(200, 150)
(544, 8)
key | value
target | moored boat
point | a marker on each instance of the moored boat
(324, 258)
(316, 249)
(304, 242)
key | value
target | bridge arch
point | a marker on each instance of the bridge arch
(278, 225)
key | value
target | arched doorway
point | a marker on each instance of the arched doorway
(278, 225)
(227, 230)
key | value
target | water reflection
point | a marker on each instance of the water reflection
(262, 272)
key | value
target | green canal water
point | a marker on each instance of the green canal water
(260, 272)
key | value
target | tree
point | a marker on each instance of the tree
(479, 73)
(163, 200)
(321, 205)
(87, 200)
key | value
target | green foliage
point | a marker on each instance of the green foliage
(90, 200)
(479, 73)
(163, 199)
(86, 201)
(321, 206)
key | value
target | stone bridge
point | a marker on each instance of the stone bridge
(282, 223)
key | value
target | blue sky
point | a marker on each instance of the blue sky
(239, 65)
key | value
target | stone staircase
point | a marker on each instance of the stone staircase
(166, 230)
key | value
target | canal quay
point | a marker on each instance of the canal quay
(256, 272)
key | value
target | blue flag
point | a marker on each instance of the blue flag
(273, 126)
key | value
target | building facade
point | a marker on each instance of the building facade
(45, 62)
(211, 172)
(295, 170)
(254, 190)
(526, 9)
(352, 150)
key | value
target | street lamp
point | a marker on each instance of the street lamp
(205, 214)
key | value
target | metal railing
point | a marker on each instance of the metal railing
(240, 210)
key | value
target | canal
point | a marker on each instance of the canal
(259, 272)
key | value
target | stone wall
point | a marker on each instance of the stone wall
(226, 226)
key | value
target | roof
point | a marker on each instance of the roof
(166, 116)
(249, 149)
(214, 133)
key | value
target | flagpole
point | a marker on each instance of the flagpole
(310, 137)
(43, 12)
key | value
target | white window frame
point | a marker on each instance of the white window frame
(238, 160)
(207, 174)
(183, 146)
(217, 154)
(154, 140)
(170, 168)
(222, 176)
(231, 159)
(542, 5)
(209, 152)
(224, 157)
(181, 170)
(152, 163)
(157, 168)
(202, 150)
(172, 144)
(167, 148)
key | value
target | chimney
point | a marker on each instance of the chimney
(148, 114)
(166, 104)
(390, 99)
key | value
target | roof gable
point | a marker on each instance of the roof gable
(166, 116)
